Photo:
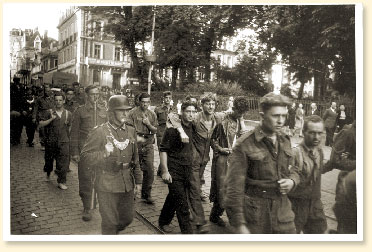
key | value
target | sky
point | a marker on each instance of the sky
(29, 16)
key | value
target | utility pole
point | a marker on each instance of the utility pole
(151, 53)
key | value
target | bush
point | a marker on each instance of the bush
(217, 87)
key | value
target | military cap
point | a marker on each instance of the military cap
(272, 99)
(90, 87)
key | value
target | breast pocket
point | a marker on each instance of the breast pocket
(162, 117)
(262, 166)
(286, 163)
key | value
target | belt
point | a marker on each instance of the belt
(146, 136)
(256, 191)
(116, 166)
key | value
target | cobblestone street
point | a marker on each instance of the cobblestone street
(38, 207)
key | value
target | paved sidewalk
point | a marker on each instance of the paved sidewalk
(39, 207)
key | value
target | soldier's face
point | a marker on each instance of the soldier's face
(313, 134)
(69, 95)
(188, 114)
(209, 107)
(145, 103)
(273, 119)
(167, 99)
(120, 116)
(93, 95)
(59, 101)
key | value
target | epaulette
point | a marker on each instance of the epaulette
(244, 137)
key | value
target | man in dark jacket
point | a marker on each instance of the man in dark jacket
(261, 173)
(329, 119)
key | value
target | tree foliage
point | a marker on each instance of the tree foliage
(310, 38)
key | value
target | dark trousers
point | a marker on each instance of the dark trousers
(146, 159)
(30, 130)
(217, 210)
(42, 136)
(194, 193)
(176, 202)
(329, 136)
(59, 152)
(16, 126)
(117, 211)
(85, 184)
(269, 216)
(309, 216)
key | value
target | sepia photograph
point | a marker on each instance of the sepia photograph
(182, 122)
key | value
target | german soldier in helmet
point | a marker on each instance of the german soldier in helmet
(111, 149)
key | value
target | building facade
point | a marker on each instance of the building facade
(90, 53)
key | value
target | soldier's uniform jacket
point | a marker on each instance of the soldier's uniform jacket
(118, 172)
(135, 119)
(254, 169)
(42, 106)
(82, 124)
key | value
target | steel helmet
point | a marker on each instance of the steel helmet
(118, 102)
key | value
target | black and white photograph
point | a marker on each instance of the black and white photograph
(199, 122)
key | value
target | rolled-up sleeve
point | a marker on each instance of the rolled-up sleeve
(235, 184)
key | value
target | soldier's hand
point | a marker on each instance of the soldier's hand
(285, 185)
(54, 116)
(24, 113)
(242, 229)
(146, 121)
(76, 158)
(33, 121)
(109, 147)
(167, 178)
(345, 155)
(140, 139)
(184, 137)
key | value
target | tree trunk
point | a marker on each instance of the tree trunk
(301, 91)
(208, 46)
(174, 77)
(182, 78)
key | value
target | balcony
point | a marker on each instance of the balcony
(110, 63)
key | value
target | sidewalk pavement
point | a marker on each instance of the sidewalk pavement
(39, 207)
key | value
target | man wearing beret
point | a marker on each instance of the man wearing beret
(261, 173)
(85, 118)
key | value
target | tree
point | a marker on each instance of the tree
(310, 38)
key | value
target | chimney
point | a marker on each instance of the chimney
(46, 34)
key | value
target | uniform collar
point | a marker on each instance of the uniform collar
(115, 127)
(260, 134)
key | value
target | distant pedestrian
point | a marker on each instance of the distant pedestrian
(111, 150)
(292, 119)
(342, 119)
(306, 197)
(299, 119)
(17, 100)
(176, 163)
(29, 106)
(314, 109)
(329, 118)
(230, 104)
(261, 173)
(57, 140)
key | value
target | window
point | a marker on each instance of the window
(95, 76)
(55, 62)
(117, 53)
(97, 51)
(116, 81)
(68, 54)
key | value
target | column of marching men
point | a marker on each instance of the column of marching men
(261, 182)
